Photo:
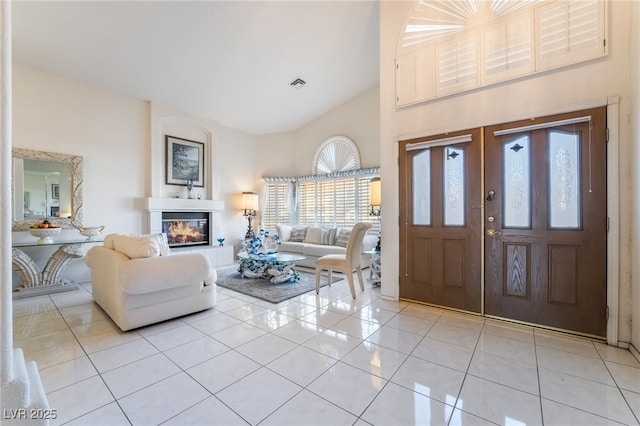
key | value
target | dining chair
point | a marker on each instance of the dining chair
(346, 263)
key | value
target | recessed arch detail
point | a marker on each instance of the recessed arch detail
(336, 154)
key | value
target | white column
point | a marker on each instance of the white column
(23, 399)
(6, 322)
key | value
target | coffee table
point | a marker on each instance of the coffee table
(277, 268)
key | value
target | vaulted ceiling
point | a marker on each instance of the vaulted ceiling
(230, 61)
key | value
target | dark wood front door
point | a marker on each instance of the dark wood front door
(441, 217)
(545, 221)
(544, 212)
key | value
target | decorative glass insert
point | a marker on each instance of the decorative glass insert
(517, 183)
(422, 188)
(564, 180)
(454, 189)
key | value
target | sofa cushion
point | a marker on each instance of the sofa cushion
(328, 236)
(298, 233)
(291, 247)
(283, 231)
(343, 237)
(136, 247)
(313, 235)
(149, 275)
(319, 250)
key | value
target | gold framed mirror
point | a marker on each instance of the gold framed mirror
(45, 185)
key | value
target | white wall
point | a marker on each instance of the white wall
(122, 142)
(110, 131)
(291, 154)
(634, 48)
(548, 93)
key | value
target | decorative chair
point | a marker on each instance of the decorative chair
(137, 283)
(346, 263)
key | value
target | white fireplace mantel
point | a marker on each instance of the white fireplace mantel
(182, 204)
(156, 206)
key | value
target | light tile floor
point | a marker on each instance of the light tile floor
(319, 360)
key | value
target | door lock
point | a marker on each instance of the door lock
(490, 195)
(491, 219)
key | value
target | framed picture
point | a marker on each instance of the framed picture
(55, 191)
(185, 160)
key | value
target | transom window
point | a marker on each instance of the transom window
(451, 46)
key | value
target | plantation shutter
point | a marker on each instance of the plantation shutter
(276, 209)
(326, 203)
(416, 76)
(345, 204)
(508, 48)
(307, 203)
(335, 202)
(458, 63)
(570, 31)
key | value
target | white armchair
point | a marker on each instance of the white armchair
(136, 286)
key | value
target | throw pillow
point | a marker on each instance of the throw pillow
(136, 247)
(283, 231)
(328, 237)
(298, 233)
(314, 235)
(343, 237)
(161, 240)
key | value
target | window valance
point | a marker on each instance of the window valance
(372, 171)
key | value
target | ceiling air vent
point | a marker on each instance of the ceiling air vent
(298, 82)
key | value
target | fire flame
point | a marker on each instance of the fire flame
(182, 232)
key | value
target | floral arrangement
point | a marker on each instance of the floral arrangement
(263, 244)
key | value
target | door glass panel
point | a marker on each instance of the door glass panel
(422, 188)
(454, 186)
(564, 180)
(517, 183)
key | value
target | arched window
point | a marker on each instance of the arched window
(336, 154)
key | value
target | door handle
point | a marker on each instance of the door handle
(492, 232)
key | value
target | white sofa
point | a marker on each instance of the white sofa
(313, 242)
(137, 282)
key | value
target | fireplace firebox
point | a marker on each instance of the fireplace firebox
(186, 228)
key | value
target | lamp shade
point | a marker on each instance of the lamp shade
(249, 201)
(376, 192)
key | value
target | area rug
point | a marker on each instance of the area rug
(263, 289)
